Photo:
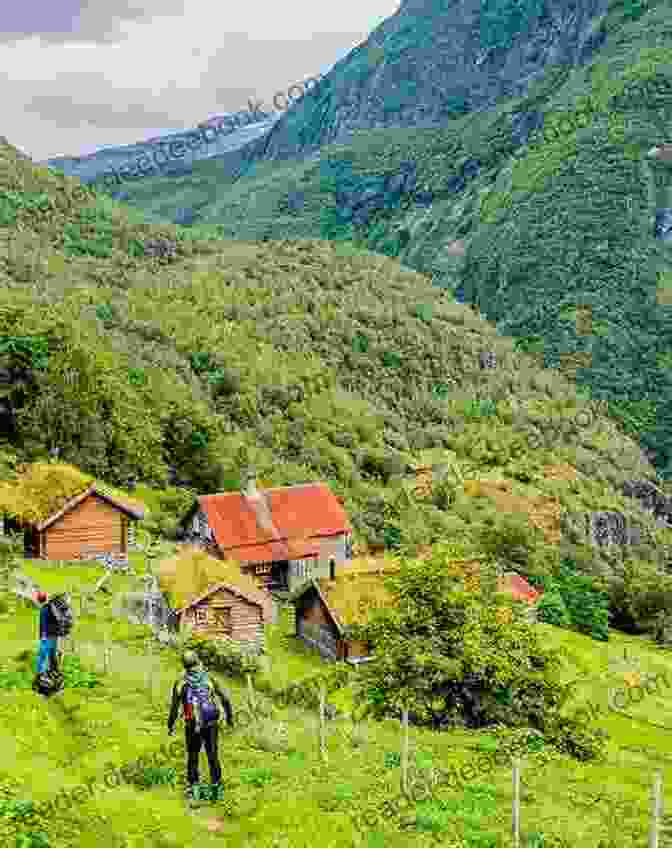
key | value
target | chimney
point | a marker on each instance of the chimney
(250, 490)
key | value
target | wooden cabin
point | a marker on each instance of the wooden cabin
(327, 607)
(226, 611)
(214, 597)
(89, 525)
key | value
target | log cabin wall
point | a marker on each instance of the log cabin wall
(315, 627)
(224, 614)
(310, 610)
(91, 525)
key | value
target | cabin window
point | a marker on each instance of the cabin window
(201, 615)
(223, 619)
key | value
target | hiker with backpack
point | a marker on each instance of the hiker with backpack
(197, 695)
(56, 621)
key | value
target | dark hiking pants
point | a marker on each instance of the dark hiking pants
(206, 737)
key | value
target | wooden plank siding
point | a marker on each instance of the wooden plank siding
(321, 631)
(225, 614)
(92, 525)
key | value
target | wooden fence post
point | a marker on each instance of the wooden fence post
(106, 654)
(150, 667)
(250, 697)
(404, 754)
(323, 748)
(656, 805)
(516, 802)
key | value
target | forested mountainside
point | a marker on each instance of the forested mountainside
(551, 212)
(437, 59)
(316, 361)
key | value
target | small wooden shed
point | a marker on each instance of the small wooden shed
(215, 597)
(326, 608)
(65, 515)
(226, 611)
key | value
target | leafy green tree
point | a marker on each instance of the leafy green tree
(587, 604)
(448, 657)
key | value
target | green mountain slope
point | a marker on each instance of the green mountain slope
(434, 60)
(147, 352)
(553, 223)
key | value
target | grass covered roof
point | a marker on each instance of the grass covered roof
(192, 572)
(42, 489)
(359, 588)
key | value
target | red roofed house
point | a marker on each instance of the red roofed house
(283, 535)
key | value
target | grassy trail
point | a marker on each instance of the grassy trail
(278, 791)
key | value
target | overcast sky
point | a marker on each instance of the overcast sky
(77, 75)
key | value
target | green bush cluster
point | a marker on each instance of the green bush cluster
(641, 598)
(31, 351)
(478, 407)
(11, 202)
(21, 824)
(153, 776)
(572, 599)
(306, 691)
(224, 655)
(90, 234)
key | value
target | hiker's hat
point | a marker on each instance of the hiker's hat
(190, 659)
(41, 596)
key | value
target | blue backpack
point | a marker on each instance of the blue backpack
(199, 704)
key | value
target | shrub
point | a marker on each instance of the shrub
(510, 540)
(552, 609)
(152, 776)
(588, 606)
(306, 691)
(224, 381)
(575, 738)
(224, 655)
(447, 655)
(104, 312)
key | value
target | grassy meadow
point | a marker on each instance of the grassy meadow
(278, 790)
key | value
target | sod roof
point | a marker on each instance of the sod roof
(192, 573)
(42, 490)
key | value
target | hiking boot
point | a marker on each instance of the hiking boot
(216, 792)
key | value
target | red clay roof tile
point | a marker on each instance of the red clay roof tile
(298, 514)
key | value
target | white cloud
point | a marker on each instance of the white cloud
(166, 72)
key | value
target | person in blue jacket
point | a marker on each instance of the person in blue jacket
(47, 658)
